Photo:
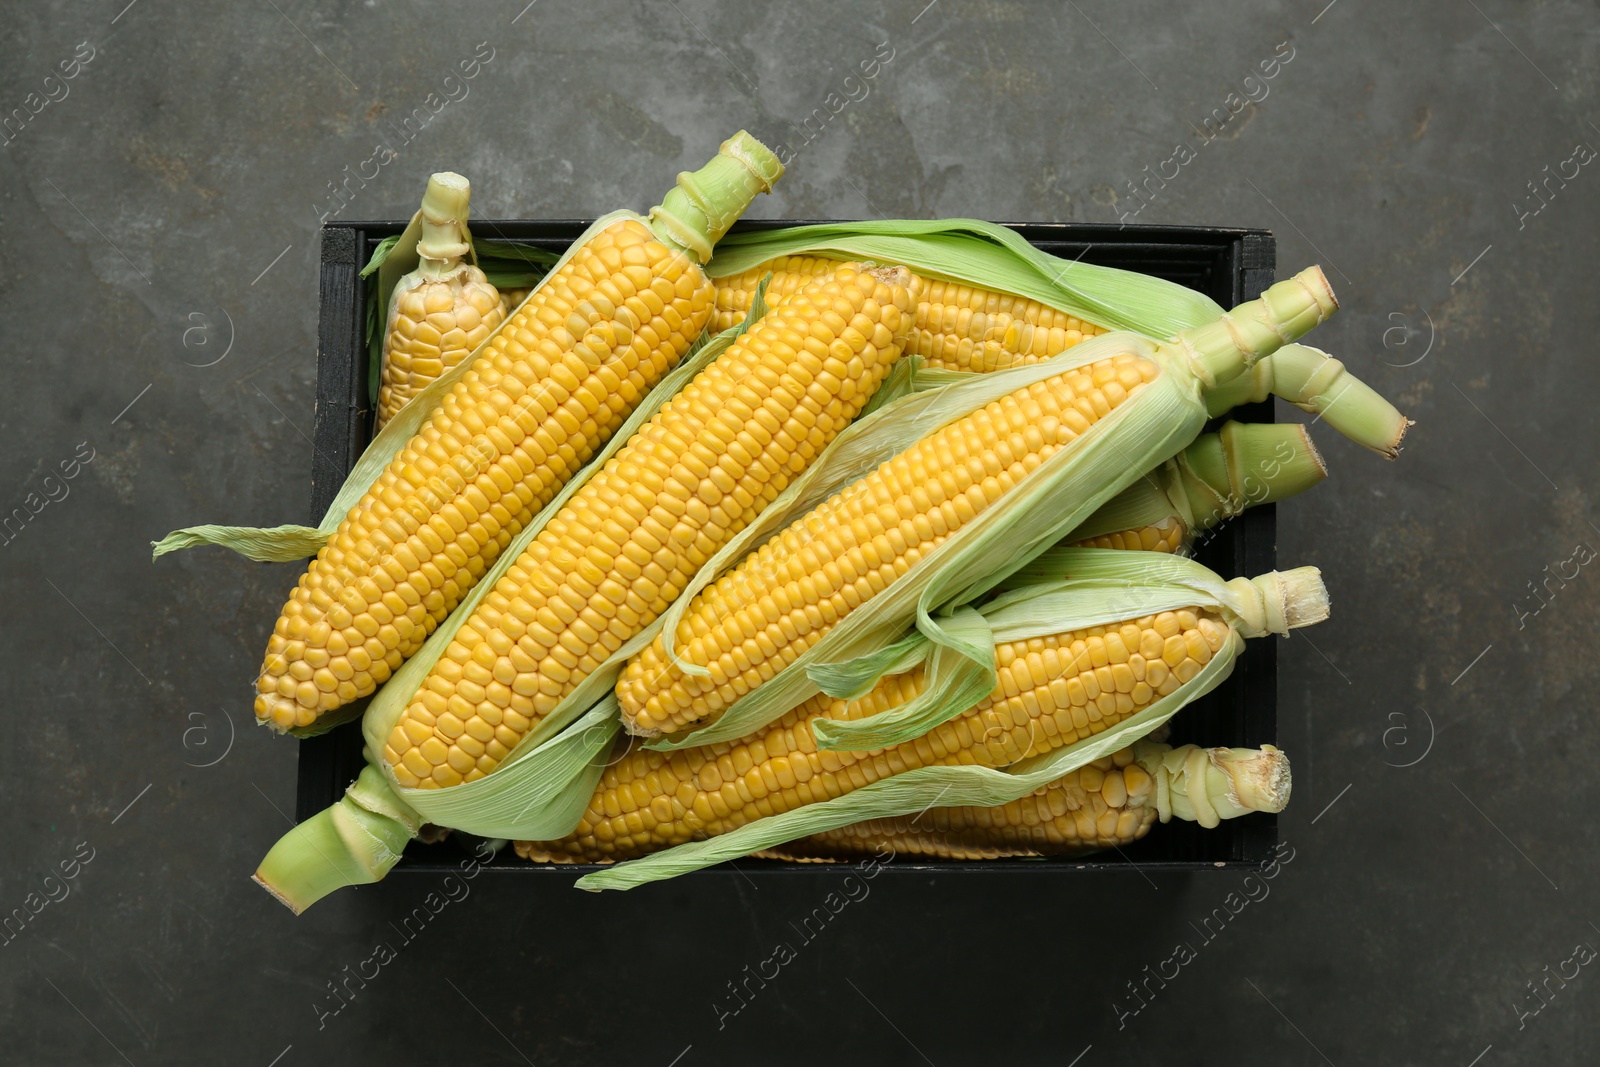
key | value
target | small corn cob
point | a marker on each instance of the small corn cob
(624, 546)
(442, 310)
(511, 299)
(957, 327)
(1053, 691)
(554, 383)
(1110, 803)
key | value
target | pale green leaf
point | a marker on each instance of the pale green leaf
(988, 256)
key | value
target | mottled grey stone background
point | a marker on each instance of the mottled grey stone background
(177, 186)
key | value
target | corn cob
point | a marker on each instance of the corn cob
(1052, 691)
(442, 310)
(1109, 803)
(550, 388)
(957, 327)
(624, 546)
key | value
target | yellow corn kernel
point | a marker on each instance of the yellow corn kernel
(511, 299)
(1168, 536)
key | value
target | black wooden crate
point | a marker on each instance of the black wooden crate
(1230, 266)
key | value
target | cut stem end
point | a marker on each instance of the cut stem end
(1279, 601)
(1208, 785)
(445, 206)
(1245, 464)
(346, 844)
(695, 214)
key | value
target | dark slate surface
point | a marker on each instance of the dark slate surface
(160, 271)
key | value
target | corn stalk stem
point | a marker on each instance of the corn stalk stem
(354, 842)
(1207, 785)
(1245, 464)
(1216, 477)
(444, 240)
(1314, 381)
(1223, 349)
(696, 212)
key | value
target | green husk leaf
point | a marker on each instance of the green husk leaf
(1144, 583)
(380, 253)
(904, 378)
(505, 255)
(758, 303)
(273, 543)
(513, 264)
(960, 672)
(915, 791)
(858, 677)
(538, 793)
(1073, 588)
(989, 256)
(1065, 489)
(276, 544)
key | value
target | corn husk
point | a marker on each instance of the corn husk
(1064, 589)
(1218, 476)
(1105, 586)
(988, 256)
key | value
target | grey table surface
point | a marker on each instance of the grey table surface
(158, 260)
